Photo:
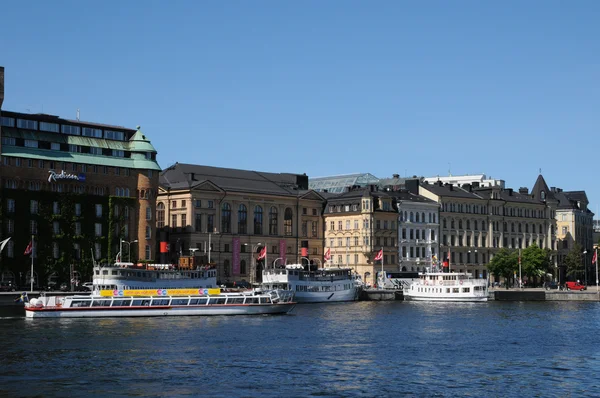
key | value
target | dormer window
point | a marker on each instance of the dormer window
(543, 195)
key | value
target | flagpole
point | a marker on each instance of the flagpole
(520, 277)
(32, 247)
(382, 262)
(597, 291)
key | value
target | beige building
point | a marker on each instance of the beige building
(574, 222)
(358, 224)
(476, 222)
(238, 212)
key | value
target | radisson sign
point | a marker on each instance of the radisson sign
(54, 176)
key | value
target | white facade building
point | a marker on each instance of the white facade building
(418, 232)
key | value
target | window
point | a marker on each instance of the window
(226, 218)
(184, 220)
(77, 228)
(51, 127)
(97, 251)
(98, 229)
(33, 206)
(315, 229)
(91, 132)
(258, 220)
(148, 232)
(77, 209)
(210, 204)
(55, 227)
(197, 203)
(55, 208)
(148, 213)
(71, 130)
(160, 215)
(340, 225)
(95, 151)
(243, 266)
(7, 121)
(27, 124)
(147, 252)
(31, 143)
(118, 153)
(10, 205)
(242, 220)
(197, 223)
(210, 223)
(99, 210)
(304, 228)
(10, 226)
(32, 227)
(114, 135)
(55, 250)
(287, 221)
(9, 141)
(273, 230)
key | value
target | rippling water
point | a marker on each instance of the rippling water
(333, 350)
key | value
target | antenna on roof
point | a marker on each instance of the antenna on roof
(540, 170)
(77, 114)
(449, 172)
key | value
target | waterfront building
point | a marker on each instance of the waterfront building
(358, 224)
(78, 188)
(418, 229)
(574, 222)
(239, 212)
(476, 222)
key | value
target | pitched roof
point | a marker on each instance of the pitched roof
(186, 176)
(539, 187)
(449, 190)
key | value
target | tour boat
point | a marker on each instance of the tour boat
(126, 276)
(446, 286)
(161, 302)
(322, 285)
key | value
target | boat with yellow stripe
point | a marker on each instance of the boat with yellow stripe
(160, 302)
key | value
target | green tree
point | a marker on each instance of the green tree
(504, 263)
(574, 262)
(535, 262)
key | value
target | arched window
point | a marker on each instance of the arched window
(483, 225)
(452, 224)
(160, 215)
(287, 221)
(242, 220)
(468, 224)
(459, 224)
(526, 228)
(147, 252)
(444, 225)
(273, 221)
(258, 220)
(243, 267)
(423, 217)
(148, 213)
(417, 220)
(225, 218)
(412, 217)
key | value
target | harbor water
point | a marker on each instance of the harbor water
(368, 349)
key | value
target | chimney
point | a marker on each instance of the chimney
(412, 186)
(510, 191)
(552, 189)
(451, 187)
(524, 191)
(1, 86)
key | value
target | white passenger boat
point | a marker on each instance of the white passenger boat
(322, 285)
(171, 302)
(446, 286)
(126, 276)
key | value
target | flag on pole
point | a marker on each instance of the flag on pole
(118, 257)
(327, 255)
(379, 255)
(263, 253)
(29, 248)
(595, 257)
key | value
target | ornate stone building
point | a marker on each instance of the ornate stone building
(238, 212)
(476, 222)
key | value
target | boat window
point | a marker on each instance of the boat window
(236, 300)
(466, 289)
(447, 290)
(252, 300)
(121, 303)
(179, 301)
(217, 300)
(101, 303)
(160, 302)
(81, 303)
(121, 273)
(455, 290)
(105, 272)
(265, 300)
(114, 272)
(97, 272)
(138, 303)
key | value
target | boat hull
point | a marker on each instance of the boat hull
(465, 299)
(326, 297)
(208, 310)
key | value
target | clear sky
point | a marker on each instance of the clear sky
(325, 87)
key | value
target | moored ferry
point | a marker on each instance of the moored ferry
(322, 285)
(127, 276)
(161, 302)
(446, 286)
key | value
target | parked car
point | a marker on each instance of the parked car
(575, 286)
(551, 285)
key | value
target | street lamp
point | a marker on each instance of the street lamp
(585, 265)
(128, 248)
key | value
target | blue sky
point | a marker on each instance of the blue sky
(325, 87)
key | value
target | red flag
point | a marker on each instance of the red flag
(595, 257)
(263, 253)
(29, 248)
(327, 255)
(379, 255)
